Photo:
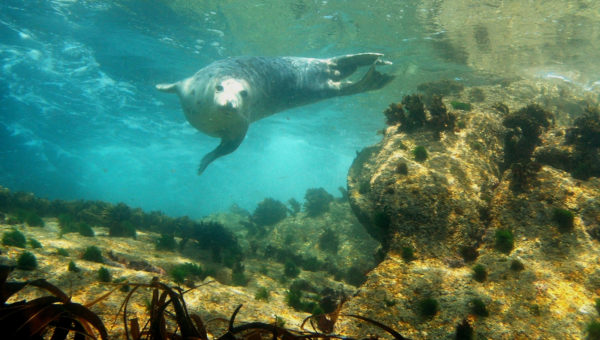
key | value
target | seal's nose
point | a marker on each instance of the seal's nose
(230, 105)
(227, 103)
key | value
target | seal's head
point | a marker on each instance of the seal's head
(215, 105)
(230, 94)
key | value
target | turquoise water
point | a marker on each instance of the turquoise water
(80, 118)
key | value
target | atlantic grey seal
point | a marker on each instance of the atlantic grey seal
(223, 98)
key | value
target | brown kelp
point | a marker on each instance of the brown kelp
(169, 318)
(54, 314)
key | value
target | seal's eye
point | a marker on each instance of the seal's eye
(219, 88)
(244, 93)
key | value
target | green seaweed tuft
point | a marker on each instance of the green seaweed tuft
(62, 252)
(420, 153)
(93, 254)
(295, 206)
(104, 275)
(184, 270)
(593, 330)
(238, 275)
(469, 253)
(317, 202)
(585, 136)
(14, 238)
(290, 269)
(329, 241)
(516, 265)
(408, 254)
(479, 273)
(269, 212)
(428, 307)
(72, 267)
(84, 229)
(504, 240)
(460, 105)
(33, 219)
(166, 242)
(355, 275)
(478, 307)
(262, 294)
(27, 261)
(564, 218)
(35, 244)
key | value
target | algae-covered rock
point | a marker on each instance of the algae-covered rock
(502, 262)
(432, 204)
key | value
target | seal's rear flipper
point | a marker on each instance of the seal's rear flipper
(372, 80)
(347, 64)
(170, 88)
(227, 146)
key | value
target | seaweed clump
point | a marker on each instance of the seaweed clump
(593, 330)
(27, 261)
(290, 269)
(268, 212)
(104, 275)
(93, 254)
(262, 294)
(355, 275)
(295, 206)
(72, 267)
(504, 240)
(35, 244)
(302, 296)
(420, 153)
(220, 242)
(516, 265)
(523, 135)
(564, 218)
(469, 253)
(585, 136)
(479, 273)
(428, 307)
(411, 115)
(33, 219)
(119, 221)
(408, 254)
(182, 271)
(524, 129)
(478, 307)
(166, 242)
(329, 241)
(460, 105)
(441, 119)
(317, 201)
(14, 238)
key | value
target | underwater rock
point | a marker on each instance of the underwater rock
(429, 204)
(539, 246)
(333, 242)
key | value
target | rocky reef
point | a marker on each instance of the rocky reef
(284, 262)
(500, 225)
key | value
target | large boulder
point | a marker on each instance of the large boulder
(436, 205)
(474, 244)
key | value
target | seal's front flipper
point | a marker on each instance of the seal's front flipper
(372, 80)
(170, 88)
(227, 146)
(347, 64)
